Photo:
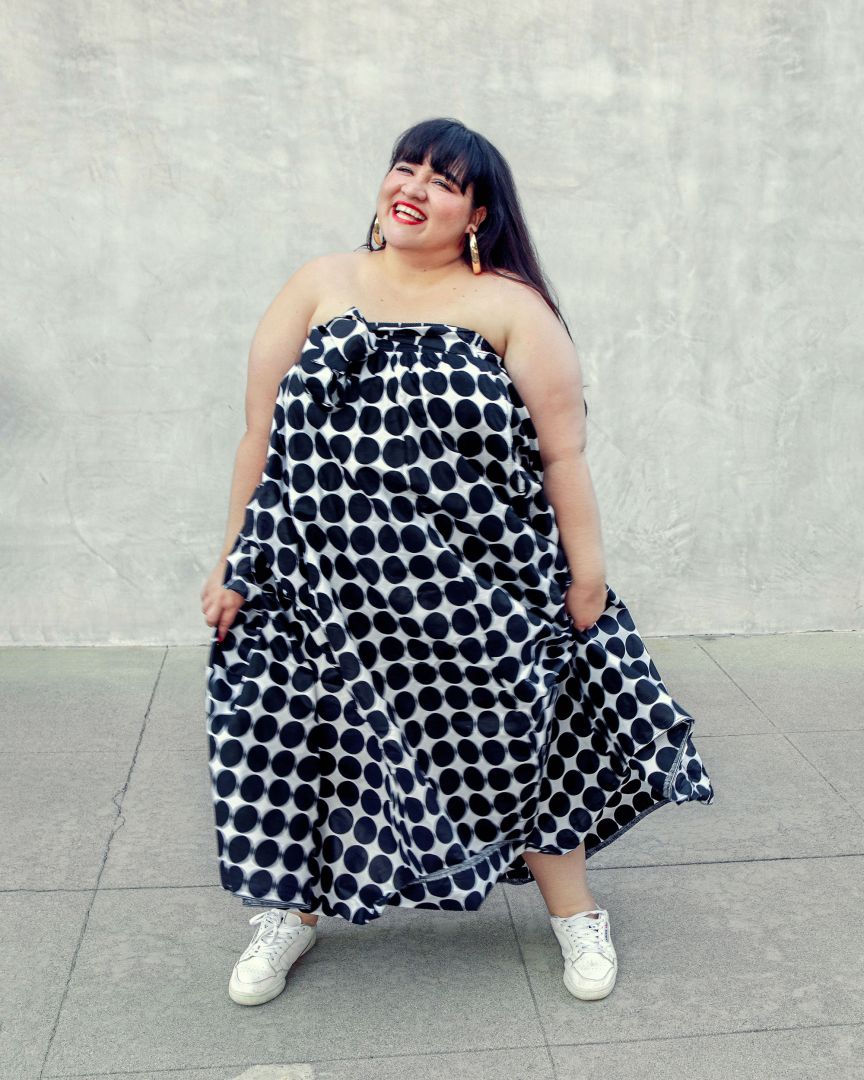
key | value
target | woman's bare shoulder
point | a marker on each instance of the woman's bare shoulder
(513, 301)
(507, 286)
(323, 267)
(335, 279)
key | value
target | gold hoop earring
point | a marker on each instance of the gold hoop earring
(475, 254)
(376, 232)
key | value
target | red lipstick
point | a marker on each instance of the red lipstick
(405, 220)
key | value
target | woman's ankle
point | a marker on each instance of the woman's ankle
(565, 911)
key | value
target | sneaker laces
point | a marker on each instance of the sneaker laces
(267, 941)
(586, 934)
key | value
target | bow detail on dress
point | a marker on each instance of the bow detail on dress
(334, 358)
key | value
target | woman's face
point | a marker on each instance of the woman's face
(441, 213)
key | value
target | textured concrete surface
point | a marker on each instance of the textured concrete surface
(690, 173)
(737, 925)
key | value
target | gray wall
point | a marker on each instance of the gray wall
(692, 174)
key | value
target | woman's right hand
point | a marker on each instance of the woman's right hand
(220, 605)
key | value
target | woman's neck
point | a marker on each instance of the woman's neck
(414, 271)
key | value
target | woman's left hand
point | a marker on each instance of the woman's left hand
(585, 603)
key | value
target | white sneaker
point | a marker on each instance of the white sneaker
(590, 962)
(281, 938)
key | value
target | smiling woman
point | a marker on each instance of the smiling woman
(420, 683)
(458, 184)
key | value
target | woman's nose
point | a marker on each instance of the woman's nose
(414, 190)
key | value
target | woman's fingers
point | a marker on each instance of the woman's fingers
(220, 608)
(231, 603)
(209, 593)
(225, 621)
(212, 610)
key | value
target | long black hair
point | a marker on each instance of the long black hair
(503, 240)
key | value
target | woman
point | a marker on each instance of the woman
(419, 682)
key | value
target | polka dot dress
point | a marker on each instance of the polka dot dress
(402, 705)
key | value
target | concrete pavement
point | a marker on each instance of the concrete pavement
(738, 926)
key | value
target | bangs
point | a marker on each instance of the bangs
(452, 151)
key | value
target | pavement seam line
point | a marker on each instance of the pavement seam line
(93, 892)
(531, 988)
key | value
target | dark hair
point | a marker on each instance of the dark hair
(466, 157)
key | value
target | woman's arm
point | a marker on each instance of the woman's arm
(568, 486)
(543, 364)
(248, 466)
(275, 347)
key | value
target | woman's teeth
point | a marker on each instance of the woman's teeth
(408, 215)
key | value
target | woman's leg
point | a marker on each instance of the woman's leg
(562, 880)
(305, 916)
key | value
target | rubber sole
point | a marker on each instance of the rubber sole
(266, 995)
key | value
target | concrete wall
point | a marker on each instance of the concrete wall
(692, 174)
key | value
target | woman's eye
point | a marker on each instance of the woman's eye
(443, 183)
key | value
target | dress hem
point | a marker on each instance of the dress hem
(317, 904)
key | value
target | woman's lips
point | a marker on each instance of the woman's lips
(405, 220)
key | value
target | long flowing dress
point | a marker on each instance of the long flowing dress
(403, 705)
